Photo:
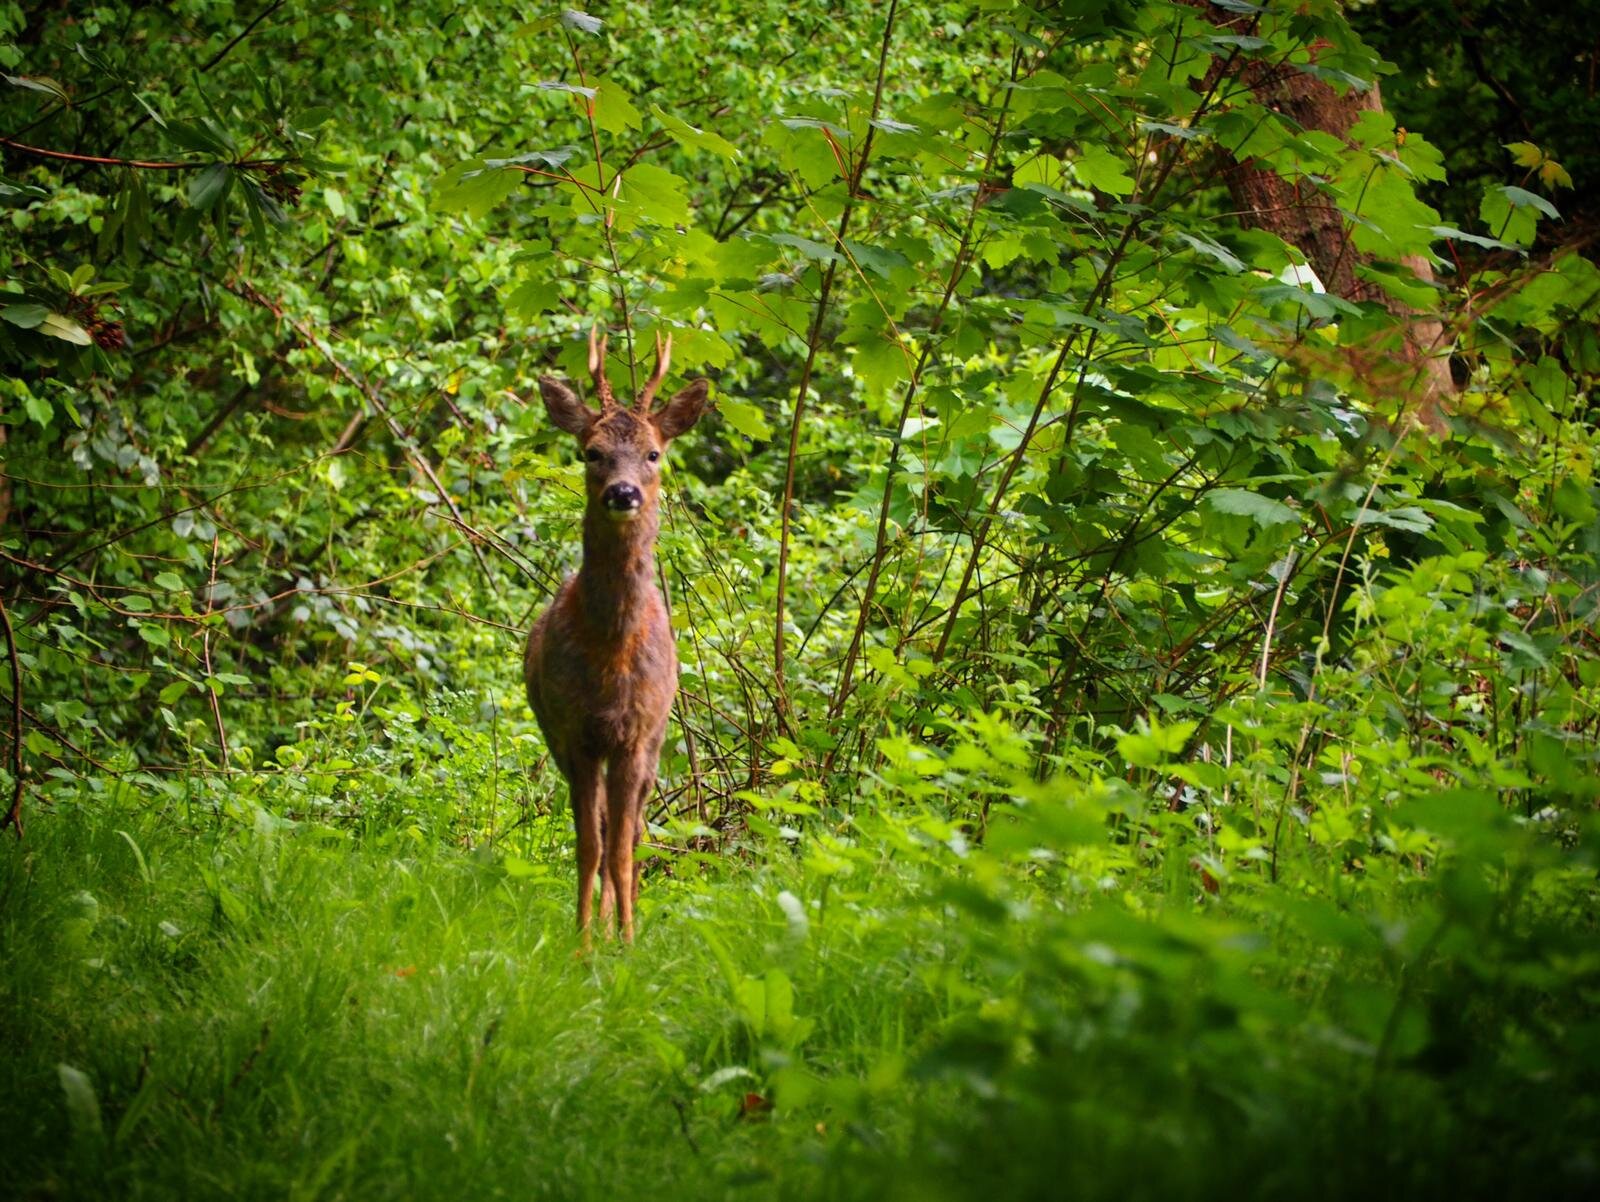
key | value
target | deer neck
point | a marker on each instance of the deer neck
(617, 581)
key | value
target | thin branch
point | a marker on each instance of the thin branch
(141, 164)
(247, 291)
(958, 271)
(203, 68)
(812, 343)
(205, 650)
(13, 816)
(240, 36)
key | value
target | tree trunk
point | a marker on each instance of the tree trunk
(1312, 223)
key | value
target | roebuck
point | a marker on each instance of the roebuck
(601, 667)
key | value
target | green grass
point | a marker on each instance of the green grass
(254, 1012)
(277, 1016)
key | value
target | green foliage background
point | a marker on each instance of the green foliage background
(1154, 749)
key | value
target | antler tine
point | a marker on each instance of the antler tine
(663, 360)
(597, 366)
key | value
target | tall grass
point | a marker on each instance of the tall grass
(244, 1008)
(261, 1014)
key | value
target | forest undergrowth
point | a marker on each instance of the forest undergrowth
(212, 999)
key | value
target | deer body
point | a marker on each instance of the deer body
(601, 668)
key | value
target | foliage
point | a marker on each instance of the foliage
(1123, 709)
(1507, 76)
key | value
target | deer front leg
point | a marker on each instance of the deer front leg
(623, 790)
(641, 807)
(608, 895)
(588, 808)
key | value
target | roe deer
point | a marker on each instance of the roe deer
(601, 667)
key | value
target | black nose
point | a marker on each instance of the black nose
(622, 497)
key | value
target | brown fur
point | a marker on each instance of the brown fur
(601, 667)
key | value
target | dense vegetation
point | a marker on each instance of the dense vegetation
(1140, 700)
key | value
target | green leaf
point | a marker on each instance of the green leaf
(1230, 262)
(691, 138)
(334, 199)
(1155, 744)
(1527, 154)
(1512, 225)
(572, 89)
(548, 158)
(38, 409)
(656, 193)
(531, 298)
(38, 83)
(1450, 231)
(150, 109)
(473, 187)
(1522, 198)
(876, 259)
(1520, 642)
(880, 363)
(64, 328)
(804, 150)
(1389, 219)
(1458, 815)
(138, 858)
(17, 192)
(614, 109)
(809, 247)
(1403, 517)
(1264, 510)
(208, 186)
(519, 869)
(1172, 131)
(1512, 214)
(746, 418)
(1099, 168)
(28, 316)
(194, 136)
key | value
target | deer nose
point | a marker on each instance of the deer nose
(622, 498)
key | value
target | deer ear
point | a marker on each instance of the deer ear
(566, 411)
(680, 413)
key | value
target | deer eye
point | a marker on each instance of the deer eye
(592, 455)
(653, 456)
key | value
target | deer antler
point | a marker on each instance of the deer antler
(663, 359)
(597, 367)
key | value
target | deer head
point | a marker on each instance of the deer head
(623, 447)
